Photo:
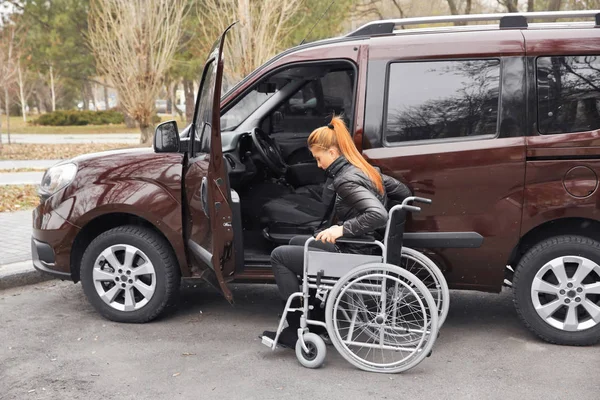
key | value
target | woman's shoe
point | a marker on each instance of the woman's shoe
(289, 335)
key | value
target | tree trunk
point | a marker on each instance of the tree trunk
(176, 110)
(147, 133)
(554, 5)
(530, 6)
(106, 106)
(7, 105)
(21, 91)
(188, 88)
(91, 88)
(52, 89)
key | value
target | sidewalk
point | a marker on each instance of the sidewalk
(16, 268)
(15, 236)
(14, 164)
(132, 138)
(21, 178)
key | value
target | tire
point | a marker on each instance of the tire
(318, 351)
(130, 274)
(423, 305)
(556, 290)
(430, 274)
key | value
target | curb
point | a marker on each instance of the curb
(21, 274)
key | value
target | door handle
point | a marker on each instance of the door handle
(204, 195)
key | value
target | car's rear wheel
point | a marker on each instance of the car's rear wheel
(130, 274)
(557, 290)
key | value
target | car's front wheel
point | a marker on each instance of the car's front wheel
(557, 290)
(130, 274)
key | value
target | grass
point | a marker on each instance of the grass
(54, 151)
(18, 197)
(17, 125)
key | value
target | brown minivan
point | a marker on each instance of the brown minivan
(498, 124)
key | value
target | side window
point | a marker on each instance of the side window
(442, 99)
(568, 90)
(314, 104)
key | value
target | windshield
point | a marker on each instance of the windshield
(205, 107)
(243, 108)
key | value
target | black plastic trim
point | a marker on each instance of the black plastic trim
(384, 28)
(440, 240)
(513, 22)
(46, 266)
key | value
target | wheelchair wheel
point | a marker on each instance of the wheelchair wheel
(429, 273)
(387, 300)
(317, 351)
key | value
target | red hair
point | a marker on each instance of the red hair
(339, 137)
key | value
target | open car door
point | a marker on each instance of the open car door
(208, 215)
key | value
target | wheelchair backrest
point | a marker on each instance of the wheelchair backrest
(394, 233)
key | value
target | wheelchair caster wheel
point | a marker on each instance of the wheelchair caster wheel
(316, 351)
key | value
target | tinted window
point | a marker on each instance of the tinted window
(314, 104)
(442, 99)
(568, 94)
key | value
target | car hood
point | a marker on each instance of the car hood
(112, 154)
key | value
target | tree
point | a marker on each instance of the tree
(262, 28)
(134, 42)
(8, 62)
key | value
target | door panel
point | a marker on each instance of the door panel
(475, 186)
(209, 232)
(453, 130)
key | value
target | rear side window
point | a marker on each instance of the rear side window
(442, 100)
(568, 93)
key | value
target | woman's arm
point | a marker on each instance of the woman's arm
(396, 191)
(372, 214)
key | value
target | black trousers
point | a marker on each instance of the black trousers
(288, 263)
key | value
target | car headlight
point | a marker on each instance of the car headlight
(56, 178)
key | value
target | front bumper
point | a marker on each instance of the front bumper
(52, 242)
(42, 255)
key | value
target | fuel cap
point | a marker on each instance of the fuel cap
(580, 181)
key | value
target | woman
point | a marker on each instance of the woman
(361, 195)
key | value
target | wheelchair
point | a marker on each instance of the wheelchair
(379, 315)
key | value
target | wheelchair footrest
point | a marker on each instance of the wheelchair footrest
(267, 341)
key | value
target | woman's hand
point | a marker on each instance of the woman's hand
(331, 234)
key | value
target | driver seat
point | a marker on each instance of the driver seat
(299, 213)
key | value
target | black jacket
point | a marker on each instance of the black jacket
(358, 205)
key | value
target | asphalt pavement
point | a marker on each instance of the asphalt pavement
(53, 345)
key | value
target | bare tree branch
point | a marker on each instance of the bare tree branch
(134, 42)
(262, 27)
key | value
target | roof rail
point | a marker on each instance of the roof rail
(506, 20)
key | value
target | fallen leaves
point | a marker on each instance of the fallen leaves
(18, 197)
(25, 151)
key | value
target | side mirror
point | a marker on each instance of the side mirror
(166, 138)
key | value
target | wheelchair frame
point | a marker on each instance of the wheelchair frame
(313, 278)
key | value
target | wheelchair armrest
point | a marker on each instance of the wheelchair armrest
(356, 239)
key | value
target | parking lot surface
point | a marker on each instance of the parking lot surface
(53, 345)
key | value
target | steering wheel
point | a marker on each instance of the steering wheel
(269, 152)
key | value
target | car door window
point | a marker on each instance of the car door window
(568, 90)
(442, 100)
(315, 103)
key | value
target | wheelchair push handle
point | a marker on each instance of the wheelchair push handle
(412, 208)
(411, 199)
(422, 200)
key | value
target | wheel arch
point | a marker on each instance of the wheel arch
(585, 227)
(104, 222)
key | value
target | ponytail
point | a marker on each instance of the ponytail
(336, 135)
